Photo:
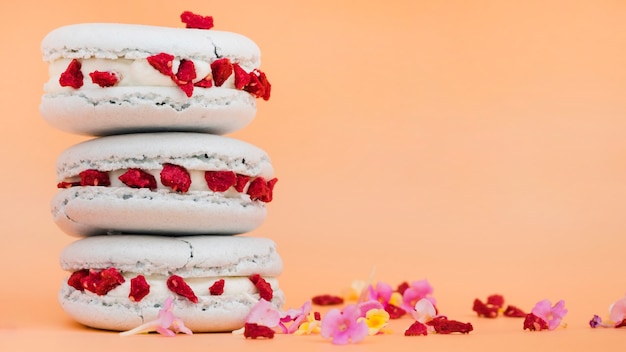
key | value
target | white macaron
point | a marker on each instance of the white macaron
(109, 78)
(119, 282)
(174, 183)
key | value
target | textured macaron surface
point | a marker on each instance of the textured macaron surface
(194, 151)
(132, 41)
(188, 256)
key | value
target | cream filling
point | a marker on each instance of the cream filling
(130, 73)
(198, 182)
(233, 286)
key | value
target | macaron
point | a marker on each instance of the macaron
(173, 183)
(111, 78)
(119, 282)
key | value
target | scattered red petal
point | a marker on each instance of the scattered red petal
(217, 288)
(514, 312)
(261, 190)
(265, 289)
(101, 282)
(94, 178)
(76, 278)
(104, 78)
(327, 300)
(139, 288)
(402, 287)
(242, 181)
(496, 301)
(484, 310)
(176, 177)
(534, 323)
(178, 285)
(254, 331)
(416, 329)
(394, 311)
(221, 70)
(220, 181)
(72, 76)
(317, 316)
(137, 178)
(621, 324)
(206, 82)
(443, 325)
(242, 78)
(191, 20)
(163, 63)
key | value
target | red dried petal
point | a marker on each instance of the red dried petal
(191, 20)
(101, 282)
(137, 178)
(64, 184)
(221, 70)
(265, 289)
(217, 288)
(327, 300)
(104, 78)
(496, 301)
(403, 287)
(242, 78)
(254, 87)
(206, 82)
(76, 278)
(534, 323)
(242, 181)
(254, 331)
(443, 325)
(317, 316)
(178, 285)
(261, 190)
(94, 178)
(267, 87)
(72, 76)
(258, 86)
(176, 177)
(163, 63)
(139, 288)
(394, 311)
(220, 181)
(514, 312)
(484, 310)
(185, 76)
(621, 324)
(416, 329)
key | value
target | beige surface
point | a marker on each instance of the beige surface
(476, 144)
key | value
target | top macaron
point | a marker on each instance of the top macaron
(110, 78)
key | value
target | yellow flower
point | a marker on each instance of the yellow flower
(376, 320)
(310, 326)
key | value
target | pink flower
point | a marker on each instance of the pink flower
(617, 311)
(295, 316)
(550, 314)
(344, 326)
(415, 292)
(263, 313)
(381, 292)
(163, 323)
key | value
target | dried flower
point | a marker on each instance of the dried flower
(165, 321)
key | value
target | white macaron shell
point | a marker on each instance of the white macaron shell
(132, 41)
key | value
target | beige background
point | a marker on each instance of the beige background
(478, 144)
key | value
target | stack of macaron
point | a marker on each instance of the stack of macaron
(161, 202)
